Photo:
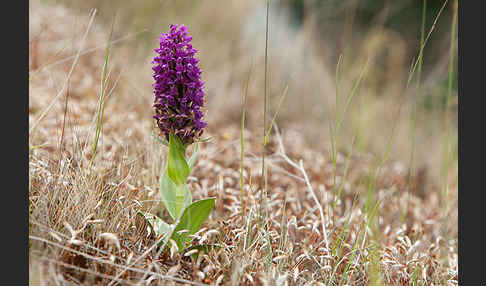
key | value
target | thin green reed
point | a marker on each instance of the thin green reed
(415, 109)
(265, 96)
(379, 163)
(102, 101)
(242, 146)
(411, 73)
(334, 131)
(268, 249)
(334, 139)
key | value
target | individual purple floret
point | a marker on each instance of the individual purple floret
(178, 88)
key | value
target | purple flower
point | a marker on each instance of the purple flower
(178, 88)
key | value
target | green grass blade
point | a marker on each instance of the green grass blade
(341, 185)
(353, 92)
(265, 141)
(242, 145)
(101, 106)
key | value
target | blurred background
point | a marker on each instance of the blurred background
(305, 42)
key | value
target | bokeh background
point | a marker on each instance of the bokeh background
(305, 42)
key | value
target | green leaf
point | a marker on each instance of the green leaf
(193, 158)
(175, 197)
(191, 220)
(177, 167)
(158, 226)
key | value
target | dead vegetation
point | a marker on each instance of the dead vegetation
(83, 227)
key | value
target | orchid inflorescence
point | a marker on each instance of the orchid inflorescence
(178, 87)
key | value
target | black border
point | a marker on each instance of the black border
(471, 81)
(15, 159)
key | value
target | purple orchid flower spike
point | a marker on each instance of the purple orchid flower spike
(178, 88)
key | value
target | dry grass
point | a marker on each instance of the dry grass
(83, 226)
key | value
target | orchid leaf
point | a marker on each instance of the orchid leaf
(191, 220)
(175, 197)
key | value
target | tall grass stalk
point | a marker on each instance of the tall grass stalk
(264, 117)
(268, 248)
(242, 146)
(390, 142)
(247, 241)
(102, 100)
(370, 199)
(341, 184)
(60, 144)
(281, 240)
(414, 111)
(336, 249)
(353, 252)
(333, 134)
(374, 271)
(333, 131)
(372, 225)
(282, 97)
(411, 73)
